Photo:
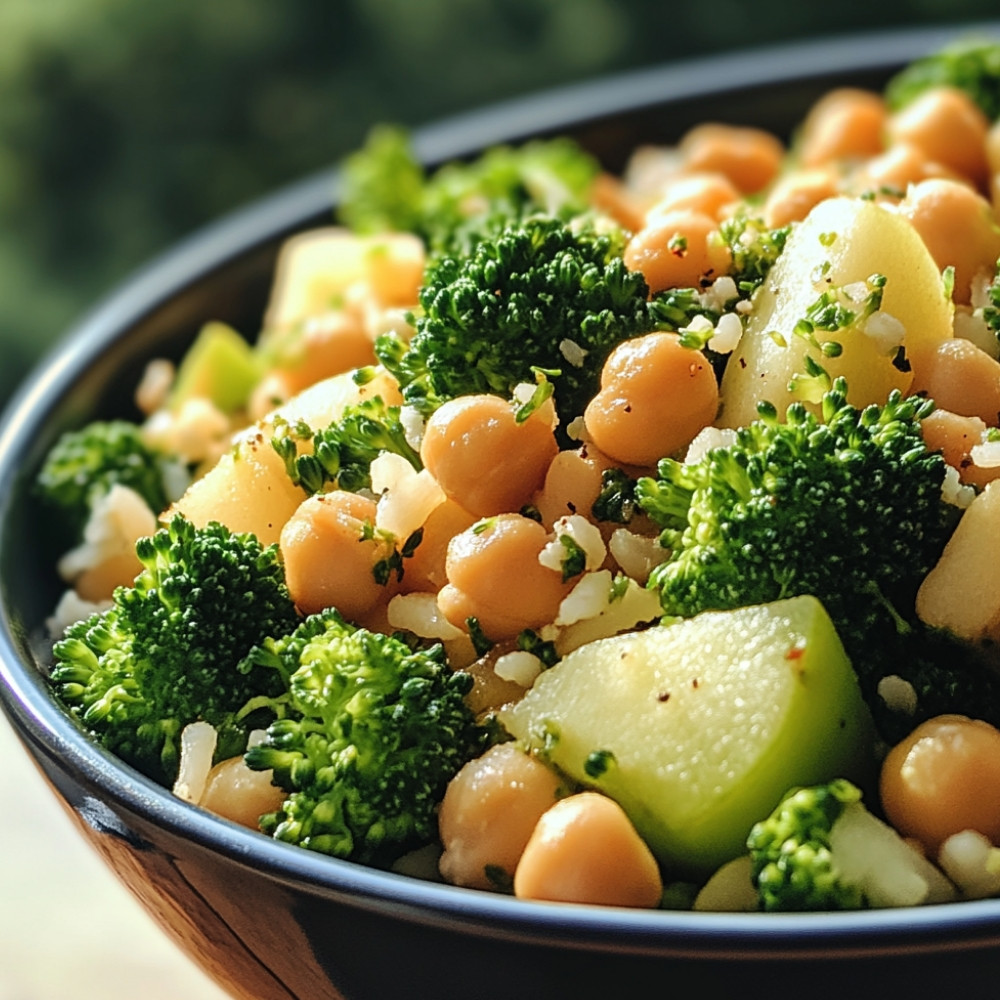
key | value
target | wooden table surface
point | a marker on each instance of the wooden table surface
(68, 929)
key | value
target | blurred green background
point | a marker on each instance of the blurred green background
(126, 124)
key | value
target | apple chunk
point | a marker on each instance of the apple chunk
(838, 246)
(962, 592)
(698, 728)
(249, 488)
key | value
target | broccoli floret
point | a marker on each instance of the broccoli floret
(541, 295)
(821, 849)
(841, 506)
(84, 464)
(386, 188)
(991, 312)
(942, 673)
(972, 66)
(372, 734)
(754, 249)
(166, 653)
(846, 506)
(343, 452)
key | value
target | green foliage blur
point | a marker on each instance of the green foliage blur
(126, 124)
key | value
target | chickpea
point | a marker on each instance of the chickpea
(890, 173)
(949, 127)
(961, 378)
(425, 569)
(792, 197)
(655, 396)
(237, 793)
(749, 157)
(572, 484)
(394, 268)
(709, 194)
(958, 227)
(98, 583)
(955, 436)
(584, 849)
(611, 196)
(488, 813)
(494, 576)
(993, 147)
(845, 124)
(483, 458)
(678, 249)
(328, 559)
(328, 346)
(942, 779)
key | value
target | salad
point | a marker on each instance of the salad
(627, 540)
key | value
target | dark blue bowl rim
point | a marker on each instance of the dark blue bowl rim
(49, 734)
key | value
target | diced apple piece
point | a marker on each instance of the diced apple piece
(962, 592)
(249, 488)
(220, 366)
(322, 403)
(698, 728)
(841, 242)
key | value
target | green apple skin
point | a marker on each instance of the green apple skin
(698, 728)
(220, 366)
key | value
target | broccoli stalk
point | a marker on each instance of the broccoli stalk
(372, 733)
(167, 652)
(540, 295)
(821, 849)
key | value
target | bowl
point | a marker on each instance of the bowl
(273, 922)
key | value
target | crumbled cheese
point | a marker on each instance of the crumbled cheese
(419, 613)
(856, 291)
(898, 694)
(155, 384)
(720, 293)
(413, 425)
(954, 492)
(197, 748)
(572, 352)
(986, 454)
(972, 863)
(637, 606)
(198, 431)
(885, 331)
(588, 598)
(576, 430)
(116, 521)
(405, 497)
(520, 667)
(698, 324)
(728, 333)
(637, 555)
(389, 471)
(706, 439)
(586, 535)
